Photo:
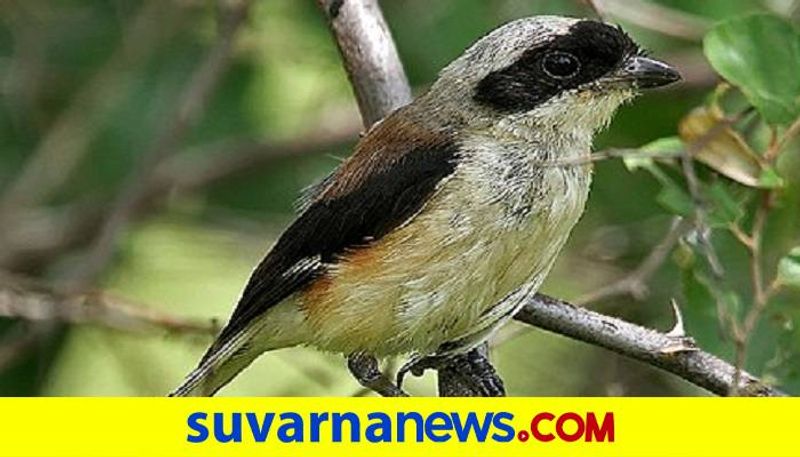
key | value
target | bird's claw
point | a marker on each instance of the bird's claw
(471, 370)
(365, 369)
(418, 364)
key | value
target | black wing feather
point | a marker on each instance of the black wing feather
(381, 201)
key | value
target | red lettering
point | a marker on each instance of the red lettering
(543, 437)
(572, 427)
(600, 433)
(566, 436)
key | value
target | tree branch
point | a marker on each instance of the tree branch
(370, 56)
(634, 283)
(645, 345)
(26, 299)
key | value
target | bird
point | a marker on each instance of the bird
(450, 211)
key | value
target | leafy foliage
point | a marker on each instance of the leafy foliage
(760, 54)
(729, 282)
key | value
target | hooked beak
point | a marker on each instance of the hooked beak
(646, 73)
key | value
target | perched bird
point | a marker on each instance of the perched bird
(450, 211)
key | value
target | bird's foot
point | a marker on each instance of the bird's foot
(365, 369)
(467, 374)
(418, 364)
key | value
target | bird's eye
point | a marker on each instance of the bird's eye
(561, 65)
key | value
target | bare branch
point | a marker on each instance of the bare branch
(190, 171)
(635, 283)
(639, 343)
(370, 56)
(25, 299)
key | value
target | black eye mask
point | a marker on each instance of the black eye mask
(588, 52)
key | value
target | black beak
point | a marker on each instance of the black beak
(646, 73)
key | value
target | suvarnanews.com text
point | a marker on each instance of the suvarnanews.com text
(401, 427)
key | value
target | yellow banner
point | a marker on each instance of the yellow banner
(374, 427)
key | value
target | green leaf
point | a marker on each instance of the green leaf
(696, 293)
(789, 269)
(760, 54)
(663, 147)
(676, 200)
(672, 196)
(634, 163)
(726, 209)
(668, 146)
(770, 179)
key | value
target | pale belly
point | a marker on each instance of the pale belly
(440, 277)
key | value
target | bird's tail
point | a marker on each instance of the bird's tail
(216, 369)
(283, 327)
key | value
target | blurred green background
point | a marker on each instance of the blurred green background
(102, 79)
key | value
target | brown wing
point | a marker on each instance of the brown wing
(393, 172)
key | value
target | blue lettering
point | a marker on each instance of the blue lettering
(445, 425)
(236, 428)
(316, 425)
(194, 423)
(383, 424)
(260, 431)
(402, 418)
(471, 425)
(502, 422)
(355, 427)
(292, 422)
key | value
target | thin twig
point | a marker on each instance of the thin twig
(702, 229)
(190, 171)
(791, 133)
(607, 154)
(26, 299)
(642, 344)
(635, 283)
(761, 294)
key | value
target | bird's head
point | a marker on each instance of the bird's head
(548, 73)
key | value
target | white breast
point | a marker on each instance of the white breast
(497, 225)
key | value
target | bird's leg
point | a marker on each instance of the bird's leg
(418, 364)
(471, 375)
(468, 374)
(365, 369)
